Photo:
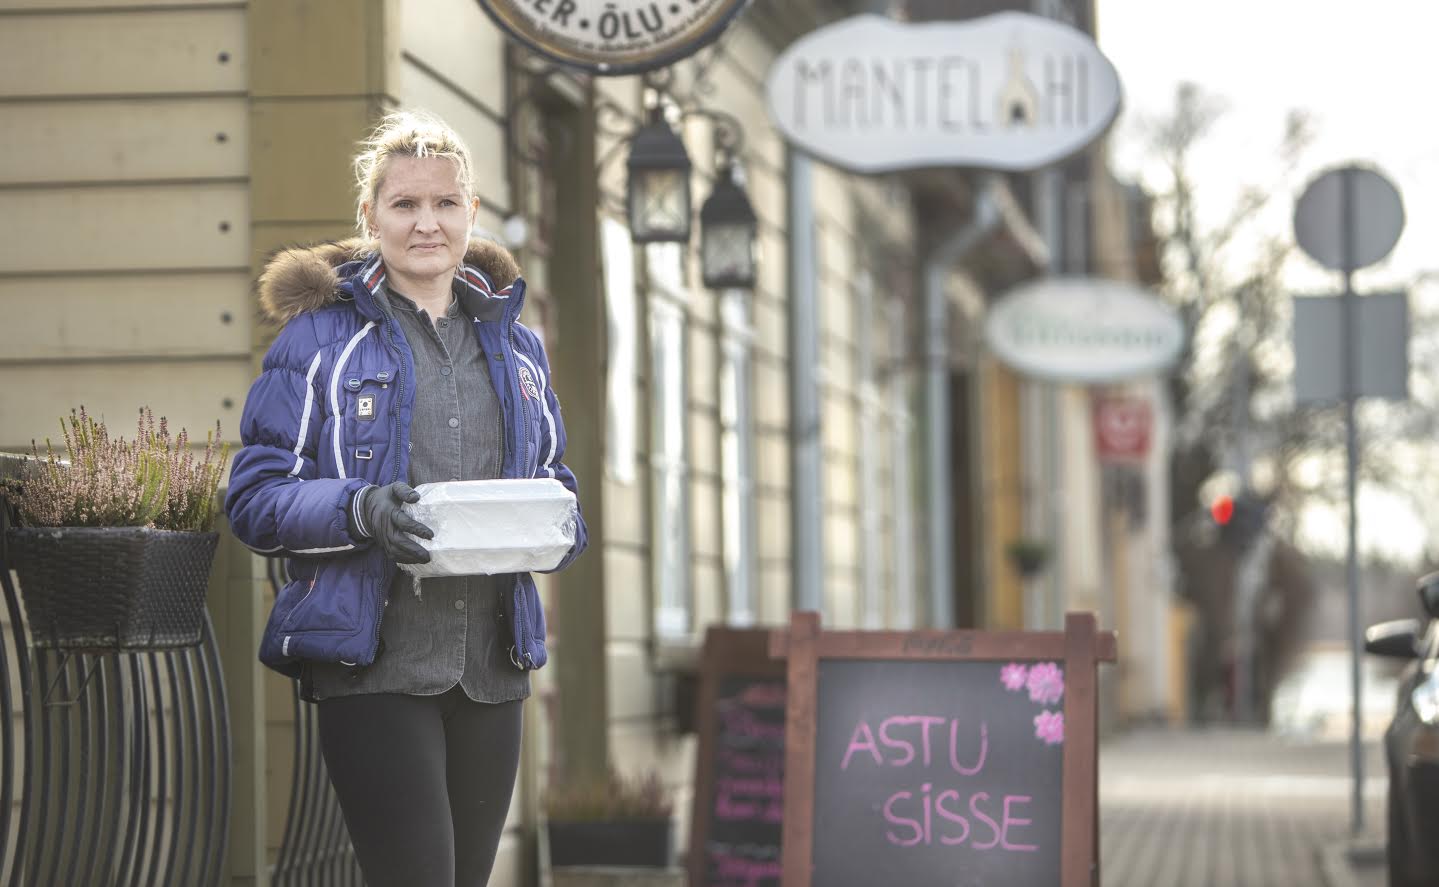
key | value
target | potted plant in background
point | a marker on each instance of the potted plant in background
(615, 823)
(1028, 556)
(116, 543)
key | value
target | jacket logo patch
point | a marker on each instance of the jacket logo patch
(365, 407)
(527, 384)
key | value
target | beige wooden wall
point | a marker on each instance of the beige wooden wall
(124, 214)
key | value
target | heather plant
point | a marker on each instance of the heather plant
(153, 480)
(613, 798)
(190, 482)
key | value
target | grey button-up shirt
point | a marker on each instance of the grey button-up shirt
(454, 631)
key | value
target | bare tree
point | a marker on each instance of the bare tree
(1230, 391)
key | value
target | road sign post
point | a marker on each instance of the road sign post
(1347, 219)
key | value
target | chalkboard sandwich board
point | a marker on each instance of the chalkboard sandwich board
(739, 767)
(944, 758)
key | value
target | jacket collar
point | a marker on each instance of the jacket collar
(309, 278)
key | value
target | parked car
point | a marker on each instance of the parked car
(1411, 744)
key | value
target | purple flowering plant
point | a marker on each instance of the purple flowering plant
(156, 480)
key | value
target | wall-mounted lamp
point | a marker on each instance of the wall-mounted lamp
(658, 191)
(727, 234)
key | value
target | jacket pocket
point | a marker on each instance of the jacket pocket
(325, 602)
(365, 397)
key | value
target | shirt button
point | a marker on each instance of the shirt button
(460, 604)
(499, 355)
(442, 324)
(445, 371)
(454, 423)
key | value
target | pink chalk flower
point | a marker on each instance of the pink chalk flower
(1046, 683)
(1013, 676)
(1049, 726)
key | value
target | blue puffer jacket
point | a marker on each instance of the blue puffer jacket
(307, 450)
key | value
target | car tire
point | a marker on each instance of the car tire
(1397, 853)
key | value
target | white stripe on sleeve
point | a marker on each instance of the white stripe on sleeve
(305, 416)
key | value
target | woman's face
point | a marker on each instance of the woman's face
(421, 217)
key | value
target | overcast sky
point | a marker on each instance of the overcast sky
(1366, 70)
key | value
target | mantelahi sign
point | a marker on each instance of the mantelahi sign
(1080, 329)
(1009, 91)
(614, 36)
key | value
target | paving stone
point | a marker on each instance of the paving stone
(1226, 808)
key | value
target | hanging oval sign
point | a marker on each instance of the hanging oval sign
(614, 36)
(1009, 91)
(1081, 329)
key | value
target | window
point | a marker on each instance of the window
(901, 425)
(871, 555)
(737, 456)
(669, 470)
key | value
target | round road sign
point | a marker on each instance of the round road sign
(1353, 198)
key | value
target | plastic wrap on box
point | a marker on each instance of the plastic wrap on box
(494, 526)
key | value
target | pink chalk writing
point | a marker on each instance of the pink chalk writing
(743, 722)
(911, 816)
(898, 736)
(763, 696)
(1013, 676)
(744, 872)
(750, 762)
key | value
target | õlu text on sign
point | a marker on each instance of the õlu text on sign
(614, 36)
(941, 757)
(1009, 91)
(1084, 330)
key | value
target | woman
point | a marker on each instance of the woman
(400, 362)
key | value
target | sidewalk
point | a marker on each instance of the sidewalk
(1358, 863)
(1222, 806)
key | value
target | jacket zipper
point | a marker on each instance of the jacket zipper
(399, 398)
(395, 474)
(522, 622)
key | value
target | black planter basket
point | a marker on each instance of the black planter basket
(629, 842)
(112, 589)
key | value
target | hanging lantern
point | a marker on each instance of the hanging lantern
(658, 192)
(727, 235)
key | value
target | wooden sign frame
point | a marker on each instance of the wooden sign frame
(1080, 646)
(728, 652)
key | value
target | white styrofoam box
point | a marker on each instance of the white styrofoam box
(494, 526)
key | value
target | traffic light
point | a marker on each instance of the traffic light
(1240, 519)
(1222, 510)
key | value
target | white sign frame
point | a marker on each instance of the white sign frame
(871, 94)
(1084, 330)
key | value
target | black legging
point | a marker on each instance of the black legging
(424, 783)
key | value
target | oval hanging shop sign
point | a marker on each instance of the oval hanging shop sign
(1009, 91)
(1082, 329)
(614, 36)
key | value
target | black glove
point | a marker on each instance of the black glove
(375, 514)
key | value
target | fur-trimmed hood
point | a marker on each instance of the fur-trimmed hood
(304, 279)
